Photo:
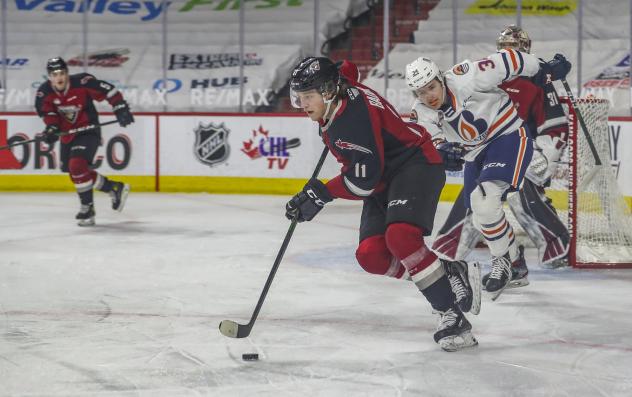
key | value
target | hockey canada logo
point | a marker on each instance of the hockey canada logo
(211, 143)
(273, 148)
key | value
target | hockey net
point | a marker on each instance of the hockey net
(586, 194)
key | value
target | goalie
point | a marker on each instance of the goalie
(539, 106)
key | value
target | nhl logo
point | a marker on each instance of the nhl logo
(211, 143)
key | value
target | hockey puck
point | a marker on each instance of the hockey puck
(250, 357)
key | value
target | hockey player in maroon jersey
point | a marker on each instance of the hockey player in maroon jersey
(393, 167)
(539, 106)
(65, 102)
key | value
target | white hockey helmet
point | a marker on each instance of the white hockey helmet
(514, 37)
(421, 72)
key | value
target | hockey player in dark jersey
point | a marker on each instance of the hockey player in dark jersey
(393, 167)
(65, 102)
(539, 106)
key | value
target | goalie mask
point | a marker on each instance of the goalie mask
(514, 37)
(313, 73)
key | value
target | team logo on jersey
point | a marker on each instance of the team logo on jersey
(273, 148)
(69, 112)
(211, 143)
(87, 78)
(470, 129)
(413, 116)
(340, 144)
(461, 69)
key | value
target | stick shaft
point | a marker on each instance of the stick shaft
(64, 133)
(279, 256)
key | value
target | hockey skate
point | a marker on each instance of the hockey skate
(465, 281)
(519, 271)
(454, 331)
(119, 194)
(500, 276)
(85, 216)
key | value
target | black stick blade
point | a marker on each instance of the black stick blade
(233, 330)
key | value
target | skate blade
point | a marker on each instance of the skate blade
(86, 222)
(523, 282)
(458, 342)
(474, 278)
(124, 194)
(495, 294)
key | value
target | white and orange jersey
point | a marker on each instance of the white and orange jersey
(476, 110)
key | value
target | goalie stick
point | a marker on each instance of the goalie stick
(64, 133)
(231, 328)
(591, 174)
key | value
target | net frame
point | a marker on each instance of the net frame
(611, 248)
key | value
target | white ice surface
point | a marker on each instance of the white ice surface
(131, 307)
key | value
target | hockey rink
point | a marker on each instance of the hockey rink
(131, 307)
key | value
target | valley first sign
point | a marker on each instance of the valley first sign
(146, 10)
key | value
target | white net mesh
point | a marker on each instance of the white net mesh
(600, 219)
(600, 216)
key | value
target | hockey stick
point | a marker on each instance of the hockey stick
(232, 329)
(593, 171)
(64, 133)
(593, 149)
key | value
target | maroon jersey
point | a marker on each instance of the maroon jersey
(75, 106)
(539, 107)
(372, 142)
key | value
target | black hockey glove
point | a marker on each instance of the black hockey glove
(307, 203)
(123, 114)
(50, 135)
(452, 154)
(555, 69)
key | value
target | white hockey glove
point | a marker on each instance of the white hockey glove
(546, 155)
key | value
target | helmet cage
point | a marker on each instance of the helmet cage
(514, 37)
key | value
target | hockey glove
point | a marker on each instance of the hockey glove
(538, 170)
(123, 114)
(307, 203)
(50, 135)
(452, 154)
(555, 69)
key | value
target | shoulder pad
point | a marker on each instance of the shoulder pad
(81, 78)
(353, 93)
(461, 68)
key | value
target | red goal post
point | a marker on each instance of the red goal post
(599, 218)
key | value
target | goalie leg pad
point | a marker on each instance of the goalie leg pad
(458, 236)
(541, 222)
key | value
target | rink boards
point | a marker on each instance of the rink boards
(211, 152)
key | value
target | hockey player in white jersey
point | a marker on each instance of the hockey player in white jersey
(466, 112)
(541, 109)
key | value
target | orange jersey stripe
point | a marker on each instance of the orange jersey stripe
(521, 152)
(501, 120)
(514, 62)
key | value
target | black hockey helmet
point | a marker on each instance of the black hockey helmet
(55, 64)
(314, 73)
